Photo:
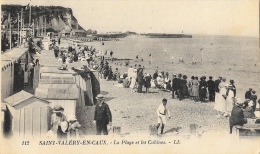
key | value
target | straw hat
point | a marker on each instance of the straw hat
(147, 74)
(239, 102)
(58, 108)
(100, 96)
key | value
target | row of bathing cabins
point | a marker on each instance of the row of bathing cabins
(27, 112)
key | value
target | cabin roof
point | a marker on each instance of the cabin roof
(18, 98)
(71, 93)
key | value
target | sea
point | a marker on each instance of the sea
(236, 58)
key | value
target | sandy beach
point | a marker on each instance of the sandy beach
(135, 112)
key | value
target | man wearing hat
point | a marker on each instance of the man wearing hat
(211, 87)
(248, 93)
(102, 116)
(174, 85)
(179, 86)
(237, 115)
(106, 70)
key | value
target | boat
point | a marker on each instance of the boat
(164, 35)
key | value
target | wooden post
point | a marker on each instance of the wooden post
(194, 129)
(18, 28)
(21, 28)
(10, 32)
(153, 130)
(117, 130)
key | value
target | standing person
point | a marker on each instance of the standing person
(57, 119)
(102, 116)
(161, 113)
(211, 87)
(132, 84)
(185, 91)
(140, 79)
(111, 54)
(253, 97)
(217, 88)
(190, 87)
(231, 93)
(106, 70)
(174, 85)
(220, 103)
(237, 115)
(202, 89)
(179, 87)
(148, 79)
(248, 93)
(166, 80)
(195, 88)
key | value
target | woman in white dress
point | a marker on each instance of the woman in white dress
(132, 85)
(220, 102)
(231, 94)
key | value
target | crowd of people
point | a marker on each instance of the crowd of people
(220, 91)
(73, 53)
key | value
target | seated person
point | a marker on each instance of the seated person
(257, 109)
(160, 81)
(126, 82)
(237, 115)
(249, 112)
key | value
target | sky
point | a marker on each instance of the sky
(207, 17)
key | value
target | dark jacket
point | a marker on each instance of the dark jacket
(248, 95)
(211, 85)
(216, 85)
(155, 75)
(179, 83)
(103, 113)
(237, 117)
(174, 84)
(140, 77)
(233, 89)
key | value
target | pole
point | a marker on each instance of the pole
(10, 32)
(21, 28)
(30, 16)
(18, 27)
(45, 26)
(33, 28)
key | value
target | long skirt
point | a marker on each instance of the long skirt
(195, 91)
(230, 101)
(220, 102)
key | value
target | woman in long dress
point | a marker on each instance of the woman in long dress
(220, 103)
(190, 87)
(231, 94)
(195, 88)
(132, 85)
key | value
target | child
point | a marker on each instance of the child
(161, 113)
